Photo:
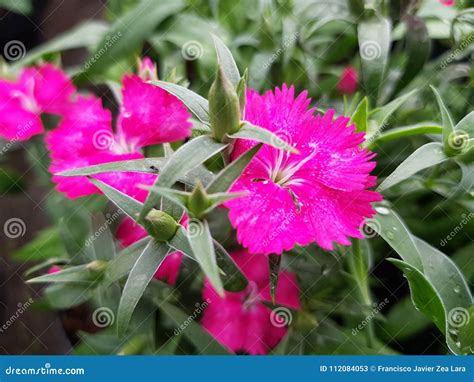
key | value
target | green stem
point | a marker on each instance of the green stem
(359, 270)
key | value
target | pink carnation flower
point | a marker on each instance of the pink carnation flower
(148, 116)
(54, 269)
(45, 89)
(128, 232)
(348, 82)
(319, 195)
(448, 3)
(240, 320)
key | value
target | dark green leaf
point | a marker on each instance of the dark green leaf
(233, 278)
(360, 116)
(448, 124)
(274, 262)
(76, 274)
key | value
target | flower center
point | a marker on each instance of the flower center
(27, 99)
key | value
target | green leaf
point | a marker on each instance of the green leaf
(203, 341)
(127, 204)
(466, 124)
(226, 61)
(426, 156)
(187, 157)
(374, 47)
(198, 105)
(102, 239)
(448, 124)
(418, 49)
(407, 131)
(224, 180)
(381, 115)
(76, 274)
(66, 296)
(140, 276)
(394, 231)
(178, 197)
(233, 278)
(259, 134)
(45, 265)
(360, 115)
(24, 7)
(86, 34)
(180, 242)
(47, 244)
(121, 265)
(147, 165)
(424, 296)
(201, 243)
(129, 32)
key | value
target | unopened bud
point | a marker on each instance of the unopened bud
(160, 225)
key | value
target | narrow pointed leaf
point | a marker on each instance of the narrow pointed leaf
(194, 102)
(259, 134)
(180, 242)
(187, 157)
(123, 263)
(407, 131)
(224, 180)
(374, 47)
(360, 116)
(448, 124)
(138, 279)
(129, 31)
(202, 245)
(101, 239)
(233, 278)
(127, 204)
(76, 274)
(226, 61)
(147, 165)
(202, 340)
(178, 197)
(382, 114)
(426, 156)
(466, 124)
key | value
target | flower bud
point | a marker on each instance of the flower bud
(160, 225)
(224, 107)
(198, 200)
(97, 266)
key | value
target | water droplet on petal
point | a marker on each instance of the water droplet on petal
(127, 114)
(382, 210)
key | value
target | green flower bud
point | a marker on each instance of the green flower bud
(457, 143)
(198, 200)
(224, 107)
(160, 225)
(97, 266)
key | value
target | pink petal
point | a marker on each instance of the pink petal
(52, 88)
(348, 82)
(150, 115)
(169, 270)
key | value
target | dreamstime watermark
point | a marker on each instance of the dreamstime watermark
(285, 224)
(20, 132)
(14, 50)
(200, 306)
(287, 42)
(102, 139)
(109, 220)
(192, 50)
(195, 228)
(458, 317)
(109, 42)
(22, 307)
(370, 50)
(103, 317)
(14, 228)
(377, 307)
(457, 52)
(466, 218)
(45, 370)
(281, 316)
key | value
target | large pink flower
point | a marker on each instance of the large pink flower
(240, 320)
(45, 89)
(148, 115)
(319, 195)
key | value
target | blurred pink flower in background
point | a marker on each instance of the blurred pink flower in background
(319, 195)
(45, 89)
(54, 269)
(448, 3)
(148, 116)
(240, 320)
(348, 82)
